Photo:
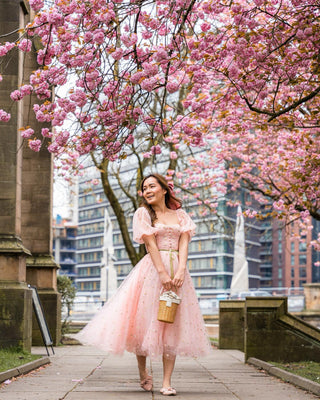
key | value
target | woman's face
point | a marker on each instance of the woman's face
(153, 192)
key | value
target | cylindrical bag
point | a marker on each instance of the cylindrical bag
(168, 304)
(169, 301)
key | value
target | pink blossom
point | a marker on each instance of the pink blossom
(25, 45)
(149, 84)
(117, 54)
(4, 116)
(146, 35)
(205, 27)
(156, 149)
(129, 40)
(53, 148)
(98, 37)
(27, 133)
(173, 155)
(88, 36)
(16, 95)
(130, 139)
(79, 97)
(136, 77)
(26, 90)
(172, 87)
(36, 5)
(35, 144)
(4, 49)
(62, 138)
(45, 132)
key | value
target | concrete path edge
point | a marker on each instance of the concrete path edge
(296, 380)
(24, 368)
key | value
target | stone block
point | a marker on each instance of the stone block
(15, 317)
(271, 334)
(51, 304)
(231, 324)
(312, 295)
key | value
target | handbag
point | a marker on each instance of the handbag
(168, 301)
(168, 304)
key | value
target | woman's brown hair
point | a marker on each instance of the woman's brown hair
(170, 199)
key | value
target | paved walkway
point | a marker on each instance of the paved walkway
(85, 373)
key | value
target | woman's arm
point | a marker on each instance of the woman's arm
(183, 257)
(152, 249)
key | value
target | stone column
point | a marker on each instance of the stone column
(37, 236)
(37, 184)
(15, 297)
(312, 295)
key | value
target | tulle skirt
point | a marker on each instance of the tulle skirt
(128, 321)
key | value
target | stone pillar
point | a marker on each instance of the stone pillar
(231, 324)
(37, 184)
(312, 295)
(15, 297)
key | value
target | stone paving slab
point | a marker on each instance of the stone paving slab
(86, 373)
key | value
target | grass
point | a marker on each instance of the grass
(14, 357)
(307, 369)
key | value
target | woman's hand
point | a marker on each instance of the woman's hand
(165, 280)
(179, 277)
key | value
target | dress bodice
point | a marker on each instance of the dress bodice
(167, 236)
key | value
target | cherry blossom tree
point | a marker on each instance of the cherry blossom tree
(257, 88)
(240, 78)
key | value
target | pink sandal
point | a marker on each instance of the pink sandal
(147, 384)
(169, 391)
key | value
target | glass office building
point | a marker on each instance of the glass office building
(211, 251)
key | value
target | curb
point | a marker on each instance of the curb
(23, 369)
(296, 380)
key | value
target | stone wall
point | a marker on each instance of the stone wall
(268, 332)
(312, 295)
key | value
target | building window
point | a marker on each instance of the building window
(292, 272)
(302, 272)
(302, 246)
(292, 247)
(302, 259)
(280, 273)
(292, 259)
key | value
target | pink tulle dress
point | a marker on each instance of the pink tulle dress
(128, 321)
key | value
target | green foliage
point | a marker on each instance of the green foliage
(68, 293)
(15, 356)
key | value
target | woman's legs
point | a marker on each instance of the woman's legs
(142, 362)
(168, 366)
(145, 378)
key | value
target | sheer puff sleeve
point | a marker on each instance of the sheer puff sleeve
(186, 223)
(141, 225)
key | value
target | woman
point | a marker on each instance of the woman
(129, 320)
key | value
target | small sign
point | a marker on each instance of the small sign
(37, 307)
